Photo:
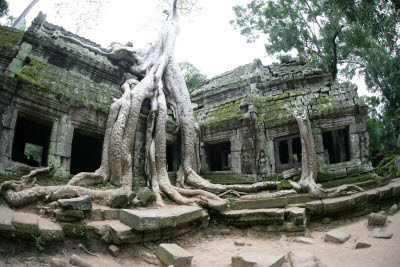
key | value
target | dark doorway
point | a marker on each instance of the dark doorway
(31, 141)
(219, 156)
(336, 145)
(287, 152)
(85, 153)
(172, 154)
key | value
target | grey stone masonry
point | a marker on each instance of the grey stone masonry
(6, 218)
(172, 254)
(159, 218)
(256, 258)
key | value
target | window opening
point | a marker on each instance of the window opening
(31, 141)
(287, 152)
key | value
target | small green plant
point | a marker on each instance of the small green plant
(40, 243)
(53, 235)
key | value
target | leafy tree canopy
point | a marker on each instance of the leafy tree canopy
(3, 8)
(319, 31)
(193, 76)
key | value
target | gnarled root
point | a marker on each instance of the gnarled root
(267, 195)
(24, 179)
(52, 193)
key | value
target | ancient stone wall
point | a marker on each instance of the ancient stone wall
(257, 116)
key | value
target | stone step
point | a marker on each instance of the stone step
(277, 219)
(6, 218)
(150, 219)
(279, 202)
(26, 225)
(50, 231)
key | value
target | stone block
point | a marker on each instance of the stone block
(149, 219)
(316, 208)
(26, 225)
(122, 233)
(296, 215)
(79, 203)
(145, 195)
(362, 245)
(172, 254)
(6, 219)
(115, 251)
(381, 233)
(393, 209)
(336, 236)
(255, 217)
(95, 228)
(96, 215)
(259, 203)
(255, 258)
(302, 258)
(119, 200)
(296, 199)
(338, 205)
(69, 215)
(111, 214)
(50, 231)
(72, 229)
(375, 219)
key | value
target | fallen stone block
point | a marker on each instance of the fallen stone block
(375, 219)
(78, 261)
(304, 240)
(172, 254)
(79, 203)
(6, 218)
(259, 259)
(26, 225)
(145, 196)
(118, 201)
(240, 242)
(56, 262)
(362, 245)
(336, 236)
(50, 231)
(380, 233)
(115, 251)
(302, 258)
(393, 209)
(69, 215)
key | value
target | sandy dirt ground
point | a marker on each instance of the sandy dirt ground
(209, 248)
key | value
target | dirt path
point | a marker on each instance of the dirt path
(211, 249)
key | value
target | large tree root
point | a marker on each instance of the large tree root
(52, 193)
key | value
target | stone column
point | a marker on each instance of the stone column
(8, 123)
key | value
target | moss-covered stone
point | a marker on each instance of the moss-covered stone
(389, 164)
(9, 38)
(67, 86)
(284, 185)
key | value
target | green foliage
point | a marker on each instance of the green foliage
(3, 8)
(106, 185)
(35, 151)
(320, 31)
(40, 243)
(193, 76)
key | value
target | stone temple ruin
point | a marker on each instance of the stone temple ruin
(54, 100)
(55, 97)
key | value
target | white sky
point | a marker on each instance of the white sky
(207, 40)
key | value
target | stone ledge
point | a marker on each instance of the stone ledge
(149, 219)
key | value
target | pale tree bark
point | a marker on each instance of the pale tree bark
(21, 17)
(308, 180)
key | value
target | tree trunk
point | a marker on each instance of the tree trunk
(21, 17)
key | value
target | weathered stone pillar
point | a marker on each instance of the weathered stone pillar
(7, 130)
(60, 145)
(236, 152)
